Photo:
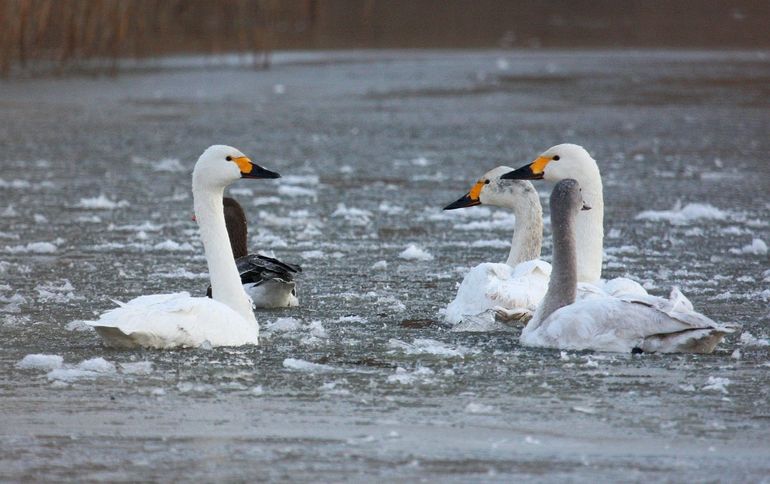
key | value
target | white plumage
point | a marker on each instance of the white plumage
(179, 320)
(626, 323)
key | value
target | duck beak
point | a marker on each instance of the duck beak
(533, 171)
(252, 170)
(470, 199)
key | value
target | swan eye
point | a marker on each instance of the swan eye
(556, 158)
(229, 158)
(486, 182)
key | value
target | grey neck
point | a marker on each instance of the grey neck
(562, 287)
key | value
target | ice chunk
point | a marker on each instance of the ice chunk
(756, 247)
(101, 203)
(683, 215)
(302, 365)
(718, 384)
(415, 252)
(748, 339)
(380, 265)
(34, 247)
(40, 362)
(296, 191)
(137, 368)
(479, 408)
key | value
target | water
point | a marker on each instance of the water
(367, 383)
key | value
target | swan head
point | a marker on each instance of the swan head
(557, 163)
(567, 196)
(491, 189)
(221, 165)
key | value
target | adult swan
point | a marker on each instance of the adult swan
(179, 320)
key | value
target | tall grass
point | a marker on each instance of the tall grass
(66, 34)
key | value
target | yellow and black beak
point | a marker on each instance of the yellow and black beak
(252, 170)
(533, 171)
(470, 199)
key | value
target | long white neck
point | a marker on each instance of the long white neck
(527, 232)
(589, 227)
(226, 284)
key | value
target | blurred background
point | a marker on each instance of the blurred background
(45, 35)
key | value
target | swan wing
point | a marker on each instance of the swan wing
(490, 285)
(628, 323)
(174, 320)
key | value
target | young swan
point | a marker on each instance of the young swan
(179, 320)
(267, 281)
(628, 323)
(515, 288)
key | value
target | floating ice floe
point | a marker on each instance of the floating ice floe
(87, 369)
(415, 252)
(718, 384)
(308, 366)
(389, 209)
(352, 215)
(683, 215)
(172, 246)
(172, 165)
(480, 408)
(748, 339)
(756, 247)
(296, 191)
(380, 265)
(182, 273)
(300, 179)
(40, 362)
(58, 292)
(260, 201)
(101, 203)
(33, 247)
(426, 346)
(421, 374)
(15, 184)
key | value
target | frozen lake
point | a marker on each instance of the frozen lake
(365, 381)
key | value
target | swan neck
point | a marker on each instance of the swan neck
(589, 228)
(225, 281)
(562, 287)
(527, 232)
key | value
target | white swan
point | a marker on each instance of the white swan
(179, 320)
(572, 161)
(267, 281)
(516, 287)
(629, 323)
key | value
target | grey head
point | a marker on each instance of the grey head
(567, 198)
